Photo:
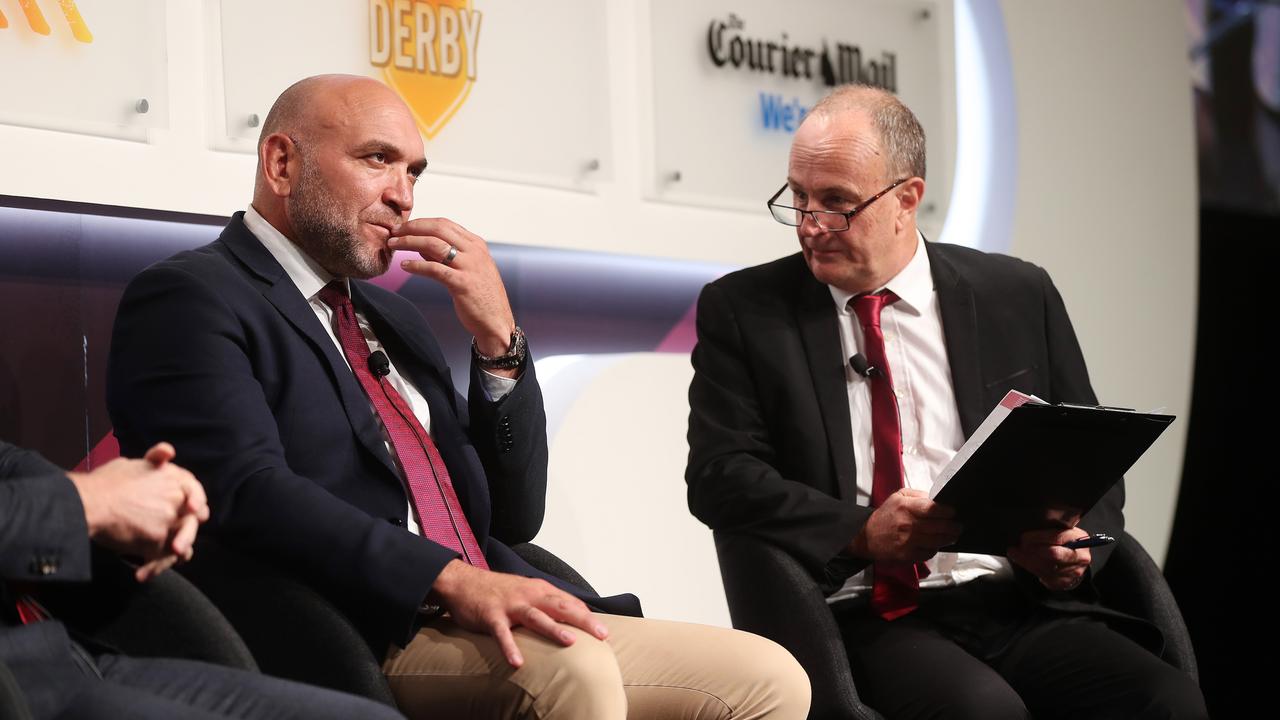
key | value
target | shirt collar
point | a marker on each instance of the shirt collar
(913, 284)
(306, 273)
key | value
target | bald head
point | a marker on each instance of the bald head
(899, 133)
(319, 102)
(337, 162)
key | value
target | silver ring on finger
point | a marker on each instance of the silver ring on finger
(449, 256)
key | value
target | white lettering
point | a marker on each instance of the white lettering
(425, 44)
(471, 33)
(450, 53)
(403, 29)
(379, 32)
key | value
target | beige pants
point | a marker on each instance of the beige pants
(645, 669)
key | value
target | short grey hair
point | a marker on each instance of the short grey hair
(901, 136)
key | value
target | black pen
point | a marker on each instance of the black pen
(1088, 542)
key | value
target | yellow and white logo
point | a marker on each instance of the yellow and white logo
(427, 50)
(39, 24)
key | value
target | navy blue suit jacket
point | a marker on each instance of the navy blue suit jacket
(216, 351)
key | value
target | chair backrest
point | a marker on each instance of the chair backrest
(1132, 583)
(760, 579)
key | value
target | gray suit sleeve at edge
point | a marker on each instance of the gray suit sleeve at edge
(42, 522)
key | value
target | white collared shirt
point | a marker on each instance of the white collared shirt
(931, 433)
(310, 278)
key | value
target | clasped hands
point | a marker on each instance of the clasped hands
(148, 508)
(909, 527)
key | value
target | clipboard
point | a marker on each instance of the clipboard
(1029, 458)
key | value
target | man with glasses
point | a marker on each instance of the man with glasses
(830, 388)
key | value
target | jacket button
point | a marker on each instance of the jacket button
(398, 522)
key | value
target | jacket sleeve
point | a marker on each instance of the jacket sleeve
(180, 371)
(43, 536)
(510, 435)
(734, 478)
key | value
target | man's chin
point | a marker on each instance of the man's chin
(826, 268)
(372, 265)
(836, 272)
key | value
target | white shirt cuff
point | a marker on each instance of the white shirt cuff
(496, 387)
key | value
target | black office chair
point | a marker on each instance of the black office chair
(168, 617)
(770, 594)
(1132, 583)
(165, 617)
(294, 632)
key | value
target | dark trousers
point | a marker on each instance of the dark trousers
(58, 679)
(983, 650)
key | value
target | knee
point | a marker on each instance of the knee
(778, 687)
(581, 680)
(990, 699)
(1173, 695)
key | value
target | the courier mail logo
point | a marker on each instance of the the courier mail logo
(427, 50)
(39, 24)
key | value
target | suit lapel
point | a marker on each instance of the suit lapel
(279, 290)
(819, 332)
(960, 333)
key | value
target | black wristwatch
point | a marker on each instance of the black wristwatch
(512, 358)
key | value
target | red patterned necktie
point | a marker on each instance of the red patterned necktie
(895, 590)
(439, 513)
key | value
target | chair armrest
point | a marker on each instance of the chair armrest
(771, 594)
(1132, 583)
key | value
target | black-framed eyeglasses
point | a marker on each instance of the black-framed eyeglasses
(829, 220)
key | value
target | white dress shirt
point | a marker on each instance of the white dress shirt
(310, 278)
(931, 432)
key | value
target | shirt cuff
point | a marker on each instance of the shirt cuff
(496, 387)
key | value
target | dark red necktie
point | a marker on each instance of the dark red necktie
(440, 515)
(895, 590)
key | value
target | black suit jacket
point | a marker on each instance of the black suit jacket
(218, 352)
(770, 440)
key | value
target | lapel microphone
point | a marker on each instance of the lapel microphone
(857, 362)
(380, 366)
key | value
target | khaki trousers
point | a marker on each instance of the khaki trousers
(645, 669)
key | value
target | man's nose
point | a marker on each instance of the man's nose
(398, 194)
(808, 226)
